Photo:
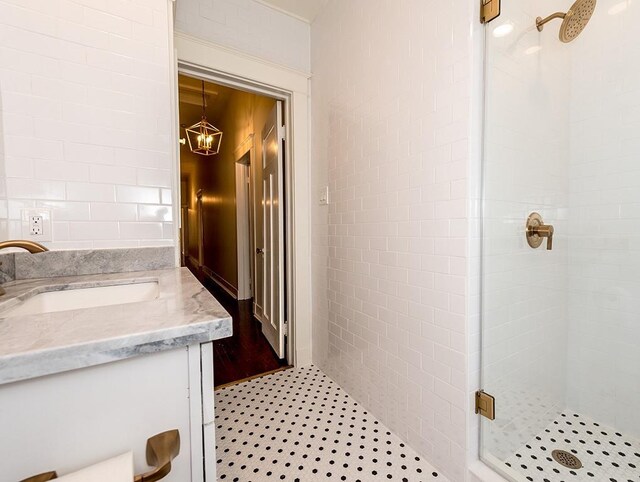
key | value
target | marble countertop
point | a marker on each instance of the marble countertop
(184, 313)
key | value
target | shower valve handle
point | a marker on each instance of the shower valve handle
(545, 232)
(536, 231)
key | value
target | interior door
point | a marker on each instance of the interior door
(270, 256)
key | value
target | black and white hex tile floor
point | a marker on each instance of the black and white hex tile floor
(299, 425)
(606, 454)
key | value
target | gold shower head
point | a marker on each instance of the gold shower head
(574, 21)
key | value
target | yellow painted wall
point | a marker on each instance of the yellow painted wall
(244, 114)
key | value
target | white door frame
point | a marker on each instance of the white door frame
(200, 222)
(206, 60)
(244, 226)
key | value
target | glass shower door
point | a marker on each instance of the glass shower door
(561, 326)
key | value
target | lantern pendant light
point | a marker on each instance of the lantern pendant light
(203, 137)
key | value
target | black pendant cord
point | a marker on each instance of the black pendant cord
(204, 111)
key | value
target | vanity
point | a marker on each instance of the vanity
(93, 364)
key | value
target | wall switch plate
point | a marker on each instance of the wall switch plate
(324, 196)
(36, 224)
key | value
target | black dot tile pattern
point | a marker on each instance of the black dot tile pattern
(299, 425)
(606, 454)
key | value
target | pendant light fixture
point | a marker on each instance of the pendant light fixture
(203, 137)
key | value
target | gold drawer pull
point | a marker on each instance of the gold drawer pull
(161, 450)
(42, 477)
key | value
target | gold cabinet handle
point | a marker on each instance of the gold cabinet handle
(536, 231)
(161, 450)
(41, 477)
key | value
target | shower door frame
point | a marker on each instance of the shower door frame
(486, 467)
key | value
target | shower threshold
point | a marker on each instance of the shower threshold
(604, 453)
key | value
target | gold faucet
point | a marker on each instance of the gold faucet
(30, 246)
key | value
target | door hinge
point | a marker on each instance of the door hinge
(485, 405)
(489, 10)
(286, 329)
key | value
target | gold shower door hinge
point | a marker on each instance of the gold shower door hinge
(489, 10)
(485, 405)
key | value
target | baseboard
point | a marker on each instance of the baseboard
(222, 283)
(192, 263)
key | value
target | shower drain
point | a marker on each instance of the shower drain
(566, 459)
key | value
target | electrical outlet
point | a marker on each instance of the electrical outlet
(36, 224)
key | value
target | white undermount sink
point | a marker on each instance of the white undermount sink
(76, 299)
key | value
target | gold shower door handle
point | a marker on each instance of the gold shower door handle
(536, 232)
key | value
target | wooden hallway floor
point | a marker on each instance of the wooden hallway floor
(245, 354)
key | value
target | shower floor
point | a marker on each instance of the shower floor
(606, 455)
(299, 425)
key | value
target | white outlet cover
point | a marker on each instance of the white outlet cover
(45, 214)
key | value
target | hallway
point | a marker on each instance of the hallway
(301, 415)
(245, 354)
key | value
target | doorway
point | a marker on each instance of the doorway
(233, 218)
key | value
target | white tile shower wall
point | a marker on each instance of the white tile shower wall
(85, 118)
(249, 27)
(525, 170)
(391, 120)
(604, 212)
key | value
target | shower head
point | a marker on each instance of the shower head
(574, 21)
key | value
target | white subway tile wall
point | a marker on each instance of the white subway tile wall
(391, 119)
(604, 209)
(249, 27)
(85, 119)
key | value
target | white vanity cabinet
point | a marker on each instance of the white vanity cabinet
(70, 420)
(97, 378)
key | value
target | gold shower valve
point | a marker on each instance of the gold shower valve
(536, 231)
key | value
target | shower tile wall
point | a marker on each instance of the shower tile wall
(604, 219)
(85, 128)
(525, 170)
(391, 116)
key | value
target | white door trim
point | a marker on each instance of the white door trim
(245, 154)
(243, 228)
(204, 59)
(200, 221)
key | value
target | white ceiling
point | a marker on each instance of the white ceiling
(304, 9)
